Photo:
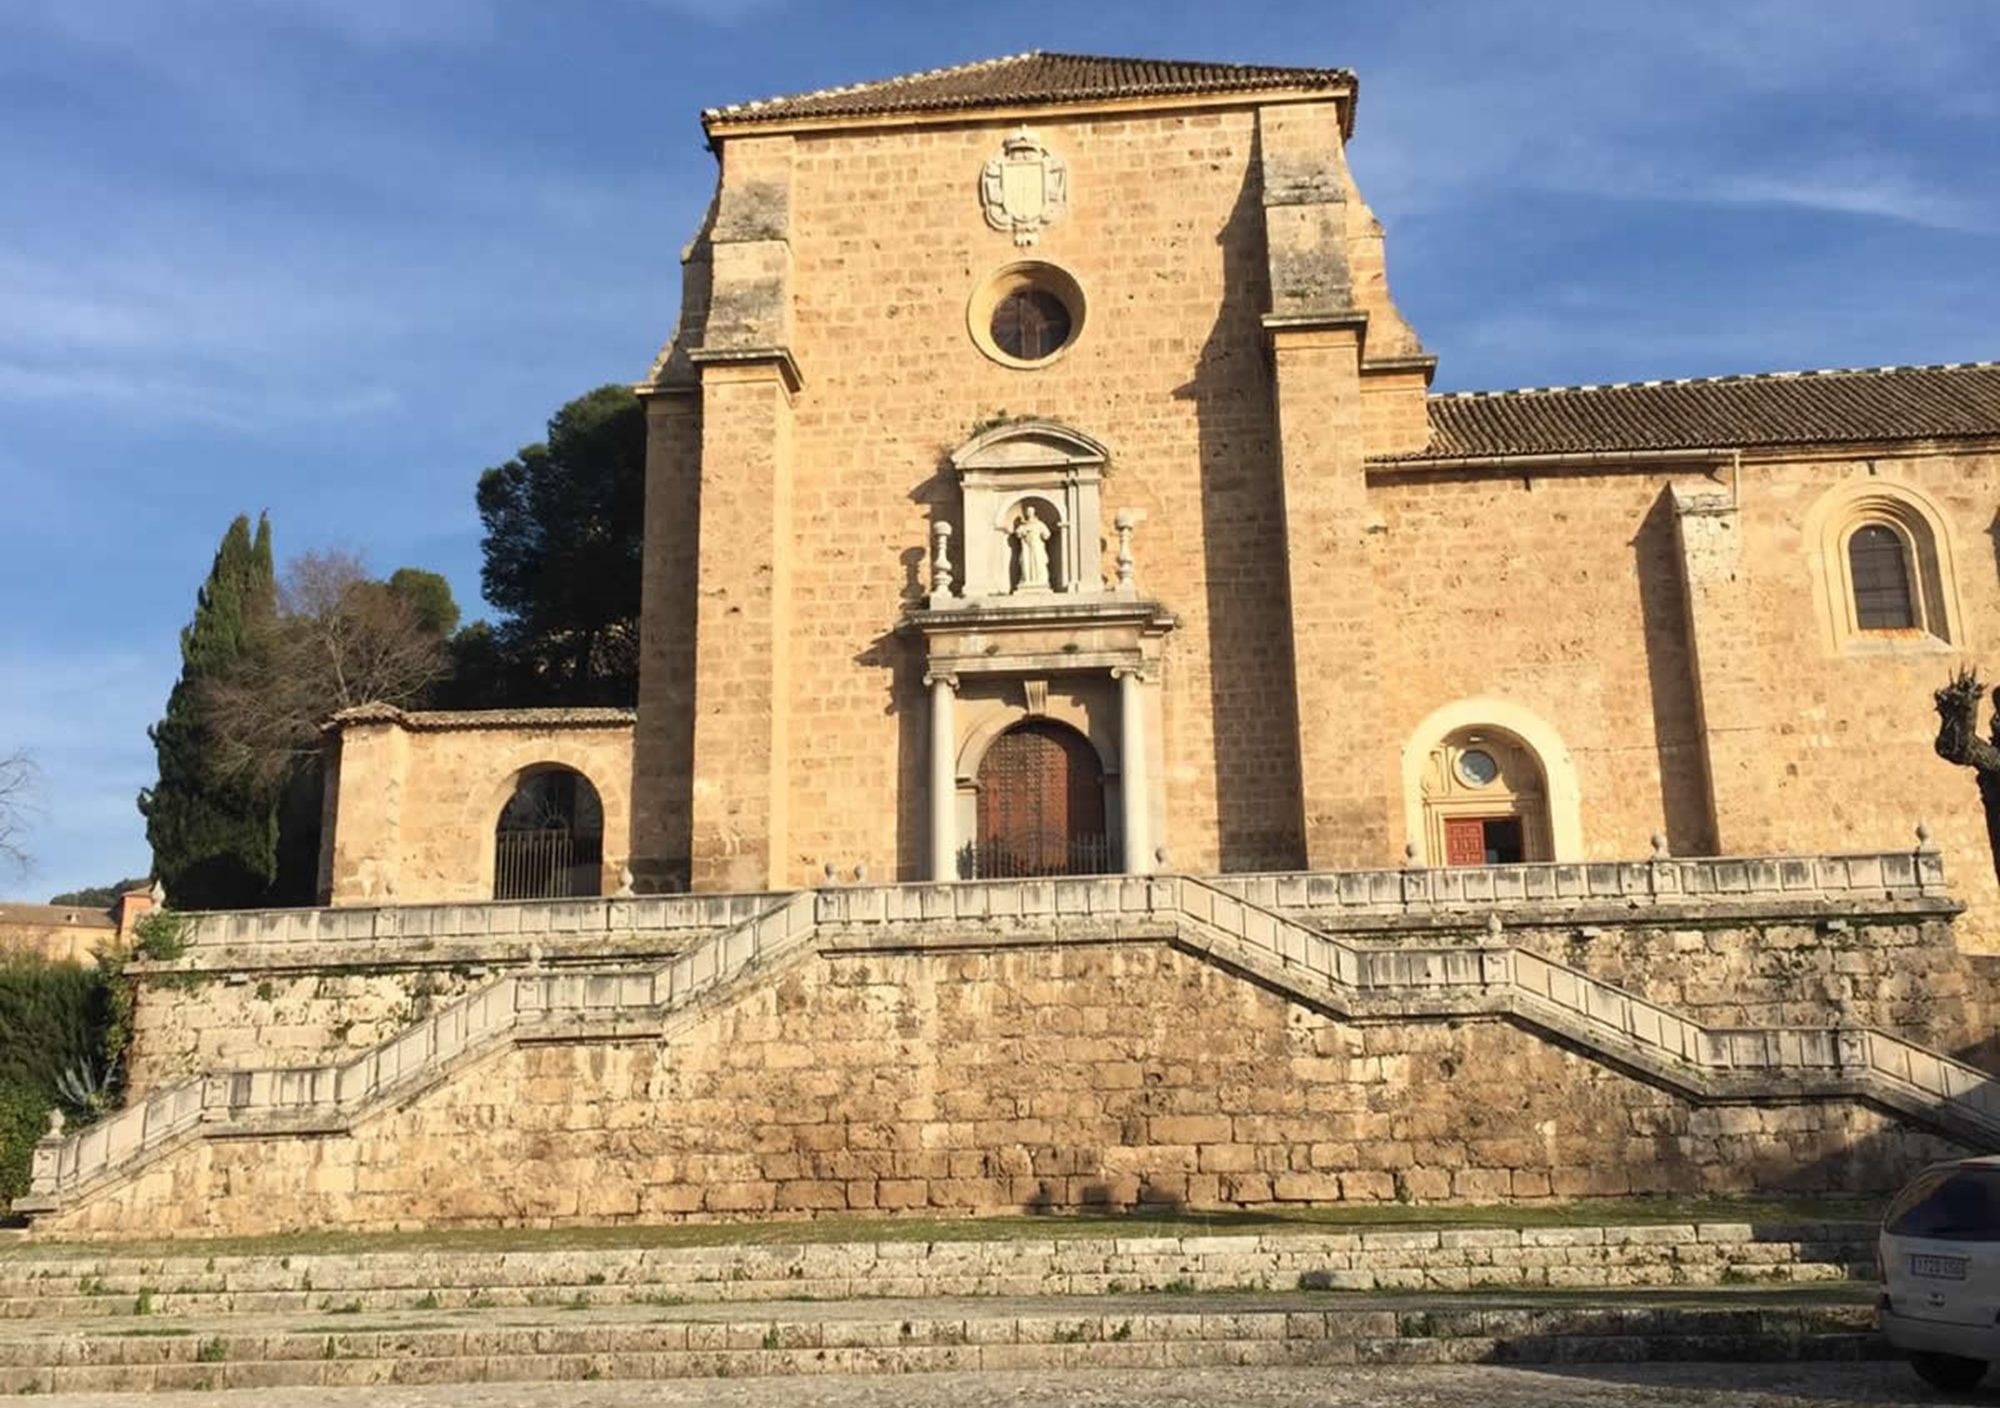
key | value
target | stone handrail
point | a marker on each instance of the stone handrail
(1373, 978)
(334, 1093)
(1906, 875)
(1616, 1024)
(610, 916)
(1387, 979)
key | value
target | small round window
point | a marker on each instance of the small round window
(1477, 767)
(1026, 314)
(1030, 323)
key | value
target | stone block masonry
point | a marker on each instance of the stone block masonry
(1072, 1262)
(1044, 1045)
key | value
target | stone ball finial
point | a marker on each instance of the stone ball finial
(1660, 851)
(1164, 857)
(1409, 855)
(625, 881)
(158, 892)
(534, 955)
(1923, 834)
(831, 871)
(861, 873)
(56, 1123)
(1493, 925)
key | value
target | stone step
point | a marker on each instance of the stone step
(37, 1282)
(890, 1336)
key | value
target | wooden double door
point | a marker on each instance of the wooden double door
(1041, 805)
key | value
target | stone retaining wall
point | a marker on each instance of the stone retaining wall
(1073, 1076)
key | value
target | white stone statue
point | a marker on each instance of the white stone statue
(1033, 536)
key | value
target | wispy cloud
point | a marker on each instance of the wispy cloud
(1778, 102)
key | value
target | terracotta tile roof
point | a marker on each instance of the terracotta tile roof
(1031, 78)
(56, 915)
(1779, 408)
(424, 720)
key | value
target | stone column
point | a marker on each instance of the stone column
(944, 778)
(1133, 792)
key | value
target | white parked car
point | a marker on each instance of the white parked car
(1940, 1258)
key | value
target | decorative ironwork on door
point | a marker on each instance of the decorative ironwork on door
(549, 843)
(1041, 806)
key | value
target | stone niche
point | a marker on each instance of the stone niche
(1031, 471)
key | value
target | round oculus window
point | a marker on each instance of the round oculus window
(1477, 767)
(1026, 314)
(1031, 324)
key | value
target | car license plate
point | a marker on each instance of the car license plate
(1938, 1268)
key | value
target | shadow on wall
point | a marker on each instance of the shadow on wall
(1141, 1199)
(1982, 1012)
(1252, 699)
(1670, 672)
(905, 698)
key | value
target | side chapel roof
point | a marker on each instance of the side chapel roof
(1033, 78)
(1846, 406)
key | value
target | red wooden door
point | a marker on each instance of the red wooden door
(1041, 803)
(1465, 840)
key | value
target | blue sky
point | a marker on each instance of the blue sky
(330, 258)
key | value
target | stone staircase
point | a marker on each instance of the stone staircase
(1218, 919)
(115, 1283)
(901, 1337)
(531, 1307)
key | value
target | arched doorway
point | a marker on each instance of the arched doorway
(1041, 805)
(1485, 800)
(549, 841)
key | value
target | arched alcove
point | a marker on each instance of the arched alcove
(1008, 466)
(1485, 800)
(1523, 781)
(548, 841)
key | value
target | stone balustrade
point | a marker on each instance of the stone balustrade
(1899, 875)
(328, 1095)
(1226, 918)
(498, 919)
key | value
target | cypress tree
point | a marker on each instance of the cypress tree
(214, 836)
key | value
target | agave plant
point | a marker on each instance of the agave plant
(87, 1088)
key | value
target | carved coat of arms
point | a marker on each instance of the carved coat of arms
(1023, 188)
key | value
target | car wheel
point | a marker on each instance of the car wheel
(1951, 1372)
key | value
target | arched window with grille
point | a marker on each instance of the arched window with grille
(1883, 569)
(1878, 562)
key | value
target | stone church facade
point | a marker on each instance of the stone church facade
(1108, 733)
(1289, 609)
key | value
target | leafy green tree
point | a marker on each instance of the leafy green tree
(337, 639)
(428, 596)
(214, 832)
(54, 1018)
(563, 522)
(99, 896)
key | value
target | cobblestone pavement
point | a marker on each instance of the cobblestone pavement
(1620, 1386)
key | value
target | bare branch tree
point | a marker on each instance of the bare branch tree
(1958, 741)
(338, 639)
(20, 786)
